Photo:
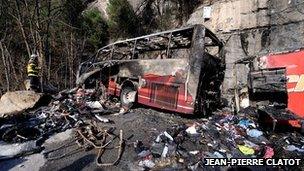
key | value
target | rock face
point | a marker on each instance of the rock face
(252, 28)
(162, 11)
(101, 5)
(16, 102)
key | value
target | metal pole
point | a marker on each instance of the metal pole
(170, 37)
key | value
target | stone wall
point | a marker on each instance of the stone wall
(253, 28)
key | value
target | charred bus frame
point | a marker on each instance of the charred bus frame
(178, 70)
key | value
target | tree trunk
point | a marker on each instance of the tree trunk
(47, 41)
(11, 64)
(21, 27)
(32, 33)
(5, 67)
(71, 61)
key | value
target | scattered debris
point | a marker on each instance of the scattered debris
(221, 136)
(105, 120)
(182, 146)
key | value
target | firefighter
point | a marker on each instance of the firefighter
(33, 73)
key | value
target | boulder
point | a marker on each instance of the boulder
(12, 103)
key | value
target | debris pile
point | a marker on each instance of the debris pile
(68, 109)
(221, 136)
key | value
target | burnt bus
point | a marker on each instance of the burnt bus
(178, 70)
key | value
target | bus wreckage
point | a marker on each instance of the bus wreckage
(178, 70)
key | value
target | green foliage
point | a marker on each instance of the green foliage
(95, 28)
(123, 21)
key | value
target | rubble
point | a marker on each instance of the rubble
(222, 136)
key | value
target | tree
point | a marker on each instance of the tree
(94, 29)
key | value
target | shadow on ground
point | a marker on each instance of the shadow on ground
(9, 164)
(80, 163)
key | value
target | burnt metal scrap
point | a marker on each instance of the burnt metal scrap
(275, 89)
(91, 137)
(268, 85)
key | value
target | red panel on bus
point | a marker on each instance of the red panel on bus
(294, 64)
(163, 92)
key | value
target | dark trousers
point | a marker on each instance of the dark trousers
(34, 83)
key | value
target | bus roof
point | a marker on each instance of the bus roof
(215, 40)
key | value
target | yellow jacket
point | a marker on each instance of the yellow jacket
(32, 70)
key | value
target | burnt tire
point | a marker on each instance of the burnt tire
(125, 100)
